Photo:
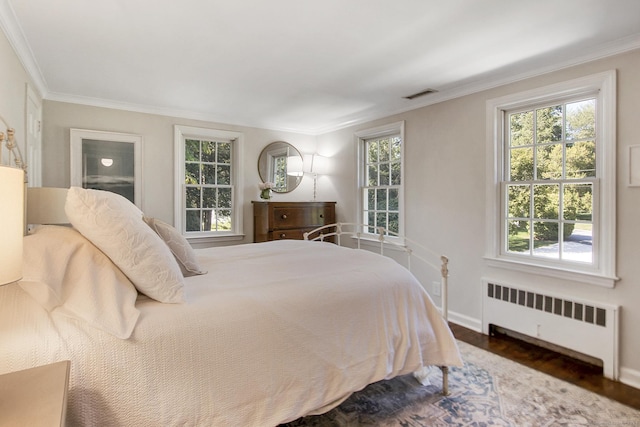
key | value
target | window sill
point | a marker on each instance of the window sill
(591, 278)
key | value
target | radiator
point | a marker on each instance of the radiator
(584, 326)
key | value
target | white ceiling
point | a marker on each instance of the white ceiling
(302, 65)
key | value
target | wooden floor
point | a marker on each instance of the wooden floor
(555, 364)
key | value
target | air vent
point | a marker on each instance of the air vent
(419, 94)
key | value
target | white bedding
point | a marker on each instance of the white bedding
(273, 332)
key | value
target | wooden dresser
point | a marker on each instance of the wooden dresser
(289, 220)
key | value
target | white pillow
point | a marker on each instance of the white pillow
(178, 245)
(67, 275)
(115, 226)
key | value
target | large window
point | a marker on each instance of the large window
(207, 182)
(381, 178)
(554, 176)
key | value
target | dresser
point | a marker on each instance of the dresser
(289, 220)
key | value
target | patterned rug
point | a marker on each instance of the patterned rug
(488, 391)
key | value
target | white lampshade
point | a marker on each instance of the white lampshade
(12, 223)
(294, 166)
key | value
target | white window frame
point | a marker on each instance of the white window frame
(361, 137)
(181, 133)
(602, 273)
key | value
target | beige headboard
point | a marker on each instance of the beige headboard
(45, 205)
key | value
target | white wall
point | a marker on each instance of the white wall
(13, 89)
(445, 196)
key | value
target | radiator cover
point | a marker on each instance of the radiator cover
(584, 326)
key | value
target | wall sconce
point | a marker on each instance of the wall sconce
(12, 220)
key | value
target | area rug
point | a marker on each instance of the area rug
(488, 391)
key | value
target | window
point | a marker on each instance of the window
(381, 178)
(208, 200)
(552, 203)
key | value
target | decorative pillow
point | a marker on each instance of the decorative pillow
(115, 226)
(178, 245)
(67, 275)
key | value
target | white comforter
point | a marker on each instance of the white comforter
(273, 332)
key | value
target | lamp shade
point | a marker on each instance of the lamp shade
(294, 166)
(12, 223)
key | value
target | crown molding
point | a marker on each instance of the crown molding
(13, 31)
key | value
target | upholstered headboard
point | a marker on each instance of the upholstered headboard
(45, 205)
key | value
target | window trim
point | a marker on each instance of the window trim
(603, 85)
(360, 138)
(181, 133)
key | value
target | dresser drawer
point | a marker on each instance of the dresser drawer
(292, 233)
(296, 217)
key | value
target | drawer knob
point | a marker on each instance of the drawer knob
(282, 236)
(321, 215)
(284, 216)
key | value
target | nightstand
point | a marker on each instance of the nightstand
(35, 397)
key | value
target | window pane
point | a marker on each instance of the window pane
(578, 202)
(381, 196)
(395, 173)
(546, 199)
(519, 237)
(546, 239)
(193, 197)
(193, 220)
(208, 174)
(192, 173)
(381, 220)
(519, 201)
(383, 151)
(581, 159)
(192, 150)
(581, 120)
(578, 245)
(396, 147)
(223, 219)
(208, 197)
(393, 199)
(549, 161)
(371, 199)
(549, 124)
(208, 223)
(224, 152)
(208, 151)
(224, 174)
(521, 164)
(521, 128)
(224, 198)
(372, 151)
(393, 223)
(384, 174)
(371, 221)
(372, 179)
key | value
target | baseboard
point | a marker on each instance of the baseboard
(466, 321)
(630, 377)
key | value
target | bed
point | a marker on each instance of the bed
(256, 335)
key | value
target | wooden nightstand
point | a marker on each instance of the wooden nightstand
(35, 397)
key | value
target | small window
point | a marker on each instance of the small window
(381, 163)
(207, 182)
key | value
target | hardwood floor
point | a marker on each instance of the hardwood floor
(552, 363)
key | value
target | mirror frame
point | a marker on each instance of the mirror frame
(267, 158)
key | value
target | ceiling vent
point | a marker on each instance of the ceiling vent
(419, 94)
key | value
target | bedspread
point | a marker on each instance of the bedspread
(273, 332)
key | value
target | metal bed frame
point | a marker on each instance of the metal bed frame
(388, 239)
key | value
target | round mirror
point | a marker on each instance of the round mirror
(281, 164)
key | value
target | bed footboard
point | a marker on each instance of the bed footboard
(386, 240)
